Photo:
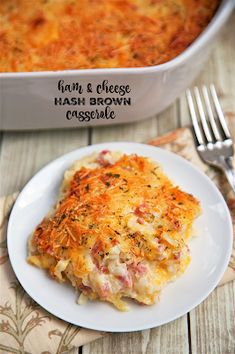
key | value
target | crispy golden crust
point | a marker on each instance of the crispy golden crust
(120, 230)
(69, 34)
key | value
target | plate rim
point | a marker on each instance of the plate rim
(92, 148)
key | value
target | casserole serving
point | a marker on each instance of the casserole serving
(43, 99)
(120, 229)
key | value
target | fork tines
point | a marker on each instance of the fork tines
(207, 116)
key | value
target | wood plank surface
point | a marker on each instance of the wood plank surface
(212, 323)
(138, 132)
(210, 328)
(23, 154)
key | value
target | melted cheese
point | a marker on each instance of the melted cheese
(70, 34)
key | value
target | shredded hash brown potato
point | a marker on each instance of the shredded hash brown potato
(119, 230)
(43, 35)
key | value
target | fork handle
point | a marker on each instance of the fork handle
(227, 167)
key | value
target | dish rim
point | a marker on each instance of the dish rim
(221, 15)
(98, 147)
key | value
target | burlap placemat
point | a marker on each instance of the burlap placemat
(24, 326)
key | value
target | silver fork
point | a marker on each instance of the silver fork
(213, 140)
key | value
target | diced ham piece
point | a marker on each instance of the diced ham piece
(84, 288)
(104, 269)
(50, 250)
(98, 247)
(104, 152)
(139, 268)
(126, 280)
(141, 209)
(105, 290)
(177, 255)
(102, 158)
(140, 220)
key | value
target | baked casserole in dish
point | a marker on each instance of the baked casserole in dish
(64, 35)
(119, 230)
(155, 47)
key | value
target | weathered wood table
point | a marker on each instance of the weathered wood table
(210, 328)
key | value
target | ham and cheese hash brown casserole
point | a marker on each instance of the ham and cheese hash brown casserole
(120, 230)
(40, 35)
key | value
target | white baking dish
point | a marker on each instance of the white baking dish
(27, 100)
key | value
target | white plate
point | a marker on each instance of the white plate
(210, 250)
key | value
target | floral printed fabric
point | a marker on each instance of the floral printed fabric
(27, 328)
